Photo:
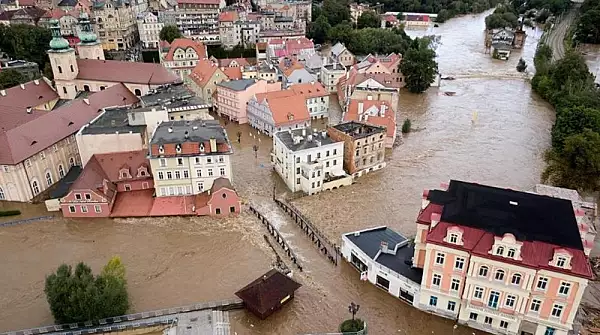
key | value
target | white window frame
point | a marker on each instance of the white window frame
(483, 268)
(558, 307)
(540, 280)
(537, 303)
(567, 286)
(457, 261)
(72, 209)
(516, 275)
(97, 208)
(161, 175)
(453, 238)
(455, 282)
(440, 256)
(439, 279)
(162, 162)
(512, 299)
(561, 261)
(84, 209)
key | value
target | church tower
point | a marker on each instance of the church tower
(63, 62)
(89, 47)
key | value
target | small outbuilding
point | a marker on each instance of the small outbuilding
(268, 293)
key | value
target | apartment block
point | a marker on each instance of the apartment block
(188, 156)
(199, 19)
(149, 28)
(330, 75)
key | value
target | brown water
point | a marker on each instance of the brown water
(177, 261)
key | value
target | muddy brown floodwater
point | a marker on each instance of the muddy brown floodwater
(178, 261)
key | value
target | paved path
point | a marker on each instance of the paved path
(557, 35)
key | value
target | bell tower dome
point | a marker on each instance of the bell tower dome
(63, 62)
(89, 47)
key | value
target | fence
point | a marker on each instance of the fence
(22, 221)
(328, 248)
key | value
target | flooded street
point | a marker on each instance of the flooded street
(178, 261)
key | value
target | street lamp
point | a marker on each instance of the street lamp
(353, 308)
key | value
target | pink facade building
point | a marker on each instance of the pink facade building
(233, 96)
(220, 200)
(503, 261)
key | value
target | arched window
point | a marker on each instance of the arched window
(2, 196)
(72, 70)
(86, 88)
(71, 162)
(59, 69)
(36, 187)
(64, 90)
(483, 271)
(516, 279)
(511, 253)
(499, 275)
(61, 171)
(49, 178)
(137, 92)
(500, 251)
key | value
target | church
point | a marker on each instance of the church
(90, 72)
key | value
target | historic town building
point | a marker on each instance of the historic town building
(233, 96)
(116, 24)
(276, 111)
(182, 56)
(376, 112)
(330, 76)
(149, 28)
(198, 19)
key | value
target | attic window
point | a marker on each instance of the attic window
(161, 149)
(178, 148)
(70, 123)
(34, 143)
(453, 238)
(561, 262)
(201, 147)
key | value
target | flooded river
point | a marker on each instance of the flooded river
(178, 261)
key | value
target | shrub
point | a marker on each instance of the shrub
(352, 325)
(10, 212)
(406, 126)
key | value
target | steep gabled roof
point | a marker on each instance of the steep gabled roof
(203, 71)
(31, 94)
(113, 162)
(185, 43)
(124, 72)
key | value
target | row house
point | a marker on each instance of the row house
(357, 9)
(94, 192)
(294, 72)
(182, 56)
(310, 162)
(204, 80)
(330, 76)
(376, 64)
(503, 261)
(149, 27)
(33, 16)
(316, 97)
(234, 31)
(90, 72)
(233, 96)
(364, 146)
(267, 35)
(375, 112)
(199, 19)
(188, 156)
(364, 86)
(39, 146)
(340, 54)
(116, 24)
(277, 111)
(279, 48)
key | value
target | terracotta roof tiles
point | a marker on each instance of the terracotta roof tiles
(310, 90)
(233, 62)
(124, 72)
(228, 16)
(113, 162)
(184, 43)
(28, 95)
(203, 71)
(233, 73)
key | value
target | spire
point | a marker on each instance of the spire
(58, 43)
(86, 34)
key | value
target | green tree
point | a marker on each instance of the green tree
(342, 33)
(79, 296)
(406, 126)
(319, 30)
(10, 78)
(169, 33)
(336, 11)
(578, 165)
(443, 16)
(419, 66)
(588, 27)
(21, 41)
(368, 19)
(351, 326)
(571, 121)
(315, 12)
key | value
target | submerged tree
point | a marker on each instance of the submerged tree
(522, 66)
(419, 66)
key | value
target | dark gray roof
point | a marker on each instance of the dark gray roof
(284, 19)
(334, 66)
(171, 96)
(287, 137)
(62, 187)
(401, 263)
(237, 85)
(197, 131)
(67, 3)
(359, 129)
(369, 241)
(113, 120)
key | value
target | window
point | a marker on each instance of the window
(64, 90)
(473, 316)
(36, 187)
(72, 70)
(564, 288)
(78, 196)
(197, 160)
(511, 253)
(162, 162)
(42, 155)
(503, 324)
(557, 310)
(71, 162)
(535, 305)
(454, 238)
(560, 262)
(2, 196)
(86, 88)
(186, 174)
(218, 211)
(478, 293)
(210, 172)
(137, 92)
(510, 301)
(71, 209)
(222, 171)
(499, 275)
(437, 279)
(48, 178)
(232, 209)
(87, 196)
(550, 331)
(432, 301)
(127, 187)
(199, 173)
(97, 209)
(451, 305)
(493, 299)
(221, 159)
(208, 160)
(500, 251)
(169, 175)
(542, 283)
(335, 151)
(439, 259)
(459, 263)
(297, 159)
(61, 171)
(5, 168)
(200, 187)
(483, 271)
(177, 174)
(28, 162)
(488, 321)
(161, 175)
(455, 284)
(84, 209)
(516, 279)
(335, 162)
(59, 69)
(179, 161)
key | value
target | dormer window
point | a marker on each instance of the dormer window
(561, 259)
(178, 148)
(500, 251)
(453, 238)
(561, 262)
(511, 253)
(124, 173)
(201, 147)
(142, 171)
(161, 149)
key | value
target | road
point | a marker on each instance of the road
(557, 36)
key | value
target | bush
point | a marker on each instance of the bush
(10, 212)
(352, 326)
(406, 126)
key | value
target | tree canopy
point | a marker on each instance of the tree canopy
(10, 78)
(21, 41)
(319, 29)
(169, 33)
(79, 296)
(368, 19)
(588, 26)
(336, 11)
(502, 17)
(419, 66)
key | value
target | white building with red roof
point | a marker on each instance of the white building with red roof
(92, 73)
(278, 111)
(182, 56)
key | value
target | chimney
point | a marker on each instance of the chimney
(87, 101)
(384, 247)
(37, 82)
(22, 86)
(324, 134)
(361, 107)
(170, 130)
(297, 139)
(29, 110)
(3, 93)
(213, 144)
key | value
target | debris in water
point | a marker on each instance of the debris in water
(450, 94)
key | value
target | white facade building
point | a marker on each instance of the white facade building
(149, 28)
(310, 162)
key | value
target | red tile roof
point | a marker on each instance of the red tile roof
(27, 139)
(113, 162)
(233, 73)
(288, 109)
(185, 43)
(310, 90)
(388, 120)
(124, 72)
(228, 16)
(200, 2)
(28, 95)
(55, 13)
(203, 71)
(170, 206)
(233, 62)
(143, 203)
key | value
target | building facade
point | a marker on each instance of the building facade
(375, 112)
(364, 146)
(330, 75)
(188, 156)
(316, 98)
(149, 28)
(340, 54)
(234, 31)
(199, 19)
(204, 80)
(116, 24)
(182, 56)
(278, 111)
(233, 96)
(310, 162)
